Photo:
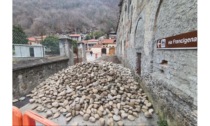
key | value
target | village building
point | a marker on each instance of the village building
(25, 50)
(101, 38)
(113, 35)
(36, 40)
(105, 46)
(76, 37)
(154, 40)
(90, 43)
(108, 42)
(96, 49)
(83, 36)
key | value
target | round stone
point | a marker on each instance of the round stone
(151, 110)
(110, 103)
(96, 116)
(77, 107)
(100, 113)
(56, 115)
(147, 114)
(15, 100)
(101, 121)
(116, 111)
(86, 117)
(31, 100)
(95, 91)
(68, 115)
(149, 105)
(131, 118)
(92, 119)
(49, 113)
(118, 105)
(120, 123)
(110, 122)
(40, 109)
(68, 119)
(22, 98)
(101, 108)
(116, 117)
(55, 104)
(81, 113)
(65, 103)
(88, 111)
(49, 106)
(54, 110)
(124, 115)
(135, 114)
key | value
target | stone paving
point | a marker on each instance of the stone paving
(112, 59)
(91, 58)
(140, 121)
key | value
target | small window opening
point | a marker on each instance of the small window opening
(164, 62)
(162, 71)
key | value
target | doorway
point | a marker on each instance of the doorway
(103, 50)
(138, 64)
(31, 52)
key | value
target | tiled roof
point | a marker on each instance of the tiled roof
(63, 37)
(74, 35)
(108, 41)
(37, 38)
(31, 39)
(93, 40)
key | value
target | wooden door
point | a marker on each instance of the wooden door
(112, 51)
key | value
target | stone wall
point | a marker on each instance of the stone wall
(173, 85)
(28, 74)
(82, 52)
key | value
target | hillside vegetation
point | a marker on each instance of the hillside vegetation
(39, 17)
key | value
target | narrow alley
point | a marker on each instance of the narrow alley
(105, 63)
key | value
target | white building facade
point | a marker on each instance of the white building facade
(25, 50)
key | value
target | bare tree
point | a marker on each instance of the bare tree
(43, 17)
(38, 28)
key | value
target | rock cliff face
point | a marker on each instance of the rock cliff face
(168, 75)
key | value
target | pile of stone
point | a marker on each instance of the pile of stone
(92, 90)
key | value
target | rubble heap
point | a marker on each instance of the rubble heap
(92, 90)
